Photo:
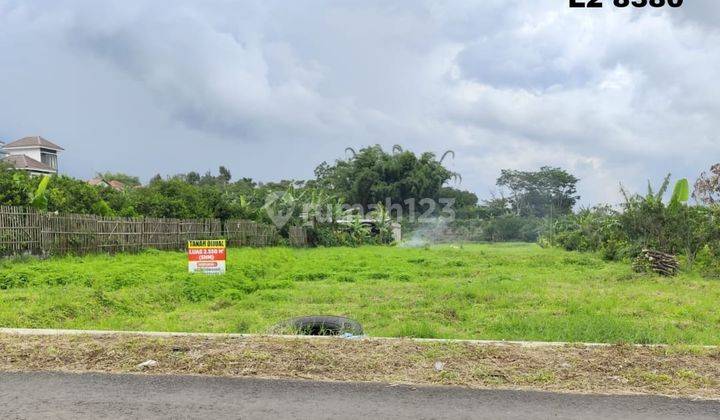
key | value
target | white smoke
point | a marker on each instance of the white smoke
(428, 233)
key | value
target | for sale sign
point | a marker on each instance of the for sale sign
(207, 256)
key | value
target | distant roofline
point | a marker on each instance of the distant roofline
(29, 163)
(33, 142)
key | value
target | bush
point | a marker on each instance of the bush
(707, 261)
(588, 230)
(352, 235)
(643, 222)
(511, 228)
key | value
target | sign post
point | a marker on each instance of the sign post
(207, 256)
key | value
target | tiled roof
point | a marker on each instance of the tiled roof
(117, 185)
(28, 163)
(33, 141)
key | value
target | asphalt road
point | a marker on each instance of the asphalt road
(72, 396)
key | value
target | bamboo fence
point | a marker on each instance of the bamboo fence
(297, 236)
(28, 231)
(249, 233)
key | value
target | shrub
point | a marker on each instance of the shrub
(643, 222)
(592, 229)
(351, 235)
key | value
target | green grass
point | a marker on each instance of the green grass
(512, 291)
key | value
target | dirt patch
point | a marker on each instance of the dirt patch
(619, 369)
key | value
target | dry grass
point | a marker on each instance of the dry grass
(620, 369)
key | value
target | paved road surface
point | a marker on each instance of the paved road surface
(54, 395)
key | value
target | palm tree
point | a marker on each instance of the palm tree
(446, 154)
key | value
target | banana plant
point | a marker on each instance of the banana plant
(681, 192)
(380, 214)
(383, 220)
(358, 231)
(38, 199)
(245, 207)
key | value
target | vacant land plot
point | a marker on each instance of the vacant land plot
(513, 292)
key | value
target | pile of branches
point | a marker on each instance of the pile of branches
(658, 262)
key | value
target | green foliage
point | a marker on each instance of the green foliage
(588, 230)
(39, 199)
(707, 261)
(369, 178)
(681, 192)
(549, 192)
(352, 234)
(511, 228)
(643, 222)
(15, 187)
(174, 198)
(127, 180)
(101, 208)
(465, 203)
(69, 195)
(372, 176)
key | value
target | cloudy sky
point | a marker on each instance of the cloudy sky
(272, 88)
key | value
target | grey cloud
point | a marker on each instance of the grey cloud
(271, 88)
(522, 64)
(699, 12)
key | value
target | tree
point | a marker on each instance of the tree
(225, 175)
(14, 186)
(156, 178)
(707, 187)
(373, 176)
(494, 207)
(464, 203)
(549, 192)
(173, 198)
(674, 227)
(69, 195)
(192, 178)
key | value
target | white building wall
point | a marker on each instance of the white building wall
(32, 152)
(397, 232)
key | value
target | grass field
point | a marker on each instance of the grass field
(511, 291)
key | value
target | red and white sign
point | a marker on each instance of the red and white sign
(207, 257)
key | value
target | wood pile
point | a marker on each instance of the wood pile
(658, 262)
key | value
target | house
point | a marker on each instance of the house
(116, 185)
(36, 155)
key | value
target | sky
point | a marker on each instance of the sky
(270, 89)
